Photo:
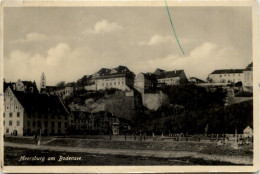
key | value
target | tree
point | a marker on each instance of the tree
(61, 84)
(194, 99)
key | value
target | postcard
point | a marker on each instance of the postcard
(129, 86)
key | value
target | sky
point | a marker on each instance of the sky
(68, 42)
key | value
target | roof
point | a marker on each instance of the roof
(150, 76)
(72, 84)
(40, 103)
(169, 74)
(118, 71)
(6, 85)
(227, 71)
(158, 71)
(249, 66)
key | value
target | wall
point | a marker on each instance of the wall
(90, 87)
(12, 105)
(248, 78)
(232, 77)
(119, 83)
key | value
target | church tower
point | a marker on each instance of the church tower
(43, 82)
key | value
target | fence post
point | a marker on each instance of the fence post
(110, 136)
(134, 137)
(125, 136)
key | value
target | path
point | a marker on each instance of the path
(145, 153)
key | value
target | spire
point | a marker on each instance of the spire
(43, 82)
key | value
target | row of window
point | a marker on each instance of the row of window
(103, 84)
(7, 107)
(11, 114)
(46, 124)
(112, 79)
(39, 116)
(166, 80)
(11, 123)
(228, 75)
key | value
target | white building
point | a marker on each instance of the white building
(32, 113)
(248, 74)
(227, 76)
(233, 76)
(248, 132)
(120, 78)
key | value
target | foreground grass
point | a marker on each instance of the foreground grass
(190, 146)
(12, 156)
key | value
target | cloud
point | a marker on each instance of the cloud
(201, 61)
(60, 63)
(156, 40)
(32, 37)
(159, 40)
(104, 27)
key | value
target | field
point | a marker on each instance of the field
(98, 151)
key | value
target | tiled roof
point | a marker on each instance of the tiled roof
(40, 103)
(227, 71)
(170, 74)
(120, 70)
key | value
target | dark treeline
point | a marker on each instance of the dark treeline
(191, 109)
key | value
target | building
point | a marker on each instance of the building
(69, 89)
(145, 82)
(227, 76)
(94, 123)
(119, 78)
(158, 71)
(196, 80)
(245, 76)
(33, 113)
(43, 82)
(248, 132)
(26, 86)
(248, 74)
(172, 77)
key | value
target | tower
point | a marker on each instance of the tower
(43, 82)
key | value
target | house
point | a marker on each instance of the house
(26, 86)
(172, 77)
(158, 71)
(101, 122)
(248, 74)
(33, 113)
(81, 121)
(120, 78)
(248, 132)
(226, 76)
(195, 80)
(69, 89)
(145, 82)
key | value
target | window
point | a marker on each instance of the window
(10, 123)
(15, 107)
(4, 115)
(18, 114)
(66, 125)
(118, 83)
(59, 124)
(10, 114)
(34, 124)
(7, 107)
(39, 124)
(238, 74)
(7, 130)
(106, 84)
(71, 121)
(46, 124)
(52, 124)
(59, 117)
(4, 122)
(110, 83)
(52, 116)
(18, 123)
(114, 83)
(122, 83)
(28, 124)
